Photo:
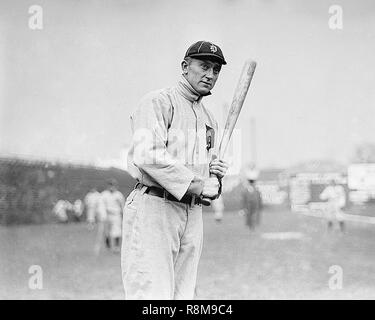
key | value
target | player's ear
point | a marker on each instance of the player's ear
(184, 67)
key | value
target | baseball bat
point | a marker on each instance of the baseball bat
(234, 111)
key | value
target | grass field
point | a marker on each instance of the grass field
(235, 263)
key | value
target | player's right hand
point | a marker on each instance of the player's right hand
(211, 188)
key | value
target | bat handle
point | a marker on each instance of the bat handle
(207, 201)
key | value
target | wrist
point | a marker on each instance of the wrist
(196, 187)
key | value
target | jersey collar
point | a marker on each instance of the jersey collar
(188, 91)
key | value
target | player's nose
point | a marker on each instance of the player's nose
(210, 74)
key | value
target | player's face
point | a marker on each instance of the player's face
(201, 74)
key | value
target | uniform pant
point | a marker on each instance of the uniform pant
(334, 212)
(114, 224)
(90, 215)
(161, 248)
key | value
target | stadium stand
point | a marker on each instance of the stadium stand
(29, 189)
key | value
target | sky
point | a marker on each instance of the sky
(67, 91)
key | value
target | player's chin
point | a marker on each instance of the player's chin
(204, 90)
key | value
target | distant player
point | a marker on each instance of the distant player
(92, 205)
(113, 203)
(96, 214)
(78, 209)
(60, 210)
(251, 200)
(335, 196)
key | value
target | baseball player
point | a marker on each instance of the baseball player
(61, 208)
(113, 203)
(334, 194)
(78, 209)
(174, 139)
(96, 213)
(92, 205)
(251, 200)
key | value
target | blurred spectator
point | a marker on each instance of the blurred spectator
(113, 202)
(335, 196)
(60, 210)
(251, 200)
(92, 205)
(78, 209)
(96, 214)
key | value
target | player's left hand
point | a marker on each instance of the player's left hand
(219, 168)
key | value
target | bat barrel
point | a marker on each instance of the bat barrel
(237, 103)
(235, 109)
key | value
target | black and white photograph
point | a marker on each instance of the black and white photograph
(213, 150)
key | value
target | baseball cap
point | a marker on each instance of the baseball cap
(205, 49)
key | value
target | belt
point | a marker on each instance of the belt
(162, 193)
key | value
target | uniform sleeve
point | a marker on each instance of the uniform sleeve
(150, 132)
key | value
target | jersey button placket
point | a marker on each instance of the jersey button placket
(195, 151)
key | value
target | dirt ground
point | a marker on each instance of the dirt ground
(288, 257)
